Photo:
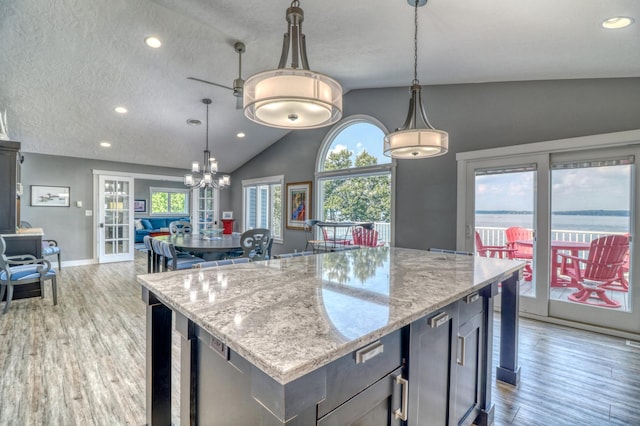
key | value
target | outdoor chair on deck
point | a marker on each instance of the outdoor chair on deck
(500, 252)
(365, 237)
(606, 257)
(24, 269)
(521, 251)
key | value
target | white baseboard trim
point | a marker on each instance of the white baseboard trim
(81, 262)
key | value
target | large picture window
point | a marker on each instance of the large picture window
(263, 204)
(169, 201)
(354, 177)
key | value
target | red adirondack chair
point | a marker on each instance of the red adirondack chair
(521, 251)
(620, 284)
(501, 252)
(606, 257)
(365, 237)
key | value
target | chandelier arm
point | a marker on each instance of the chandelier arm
(285, 51)
(303, 51)
(295, 43)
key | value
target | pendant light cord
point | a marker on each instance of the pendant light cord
(415, 45)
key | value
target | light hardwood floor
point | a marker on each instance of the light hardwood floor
(82, 362)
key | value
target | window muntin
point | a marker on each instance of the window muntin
(169, 201)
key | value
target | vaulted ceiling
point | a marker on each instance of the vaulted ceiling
(66, 64)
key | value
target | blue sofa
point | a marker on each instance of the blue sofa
(154, 224)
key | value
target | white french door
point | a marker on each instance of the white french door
(566, 199)
(503, 194)
(115, 226)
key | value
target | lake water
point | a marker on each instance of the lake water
(564, 222)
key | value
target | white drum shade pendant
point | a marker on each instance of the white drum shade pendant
(294, 97)
(417, 138)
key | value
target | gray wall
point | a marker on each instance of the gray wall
(477, 116)
(68, 225)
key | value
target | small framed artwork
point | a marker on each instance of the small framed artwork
(50, 196)
(227, 215)
(139, 205)
(298, 204)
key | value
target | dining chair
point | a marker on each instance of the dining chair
(180, 227)
(605, 258)
(255, 243)
(173, 262)
(501, 252)
(221, 262)
(150, 254)
(24, 269)
(49, 247)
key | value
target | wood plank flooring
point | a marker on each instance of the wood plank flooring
(82, 362)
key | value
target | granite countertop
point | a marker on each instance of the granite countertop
(291, 316)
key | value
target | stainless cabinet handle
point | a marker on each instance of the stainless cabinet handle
(438, 320)
(462, 340)
(470, 298)
(365, 354)
(401, 413)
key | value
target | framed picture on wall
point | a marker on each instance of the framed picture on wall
(298, 204)
(140, 205)
(50, 196)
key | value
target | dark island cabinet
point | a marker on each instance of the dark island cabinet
(445, 364)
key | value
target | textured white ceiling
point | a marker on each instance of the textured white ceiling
(65, 64)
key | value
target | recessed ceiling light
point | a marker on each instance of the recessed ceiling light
(617, 22)
(120, 110)
(105, 144)
(153, 42)
(193, 122)
(241, 135)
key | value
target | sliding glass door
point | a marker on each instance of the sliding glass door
(576, 216)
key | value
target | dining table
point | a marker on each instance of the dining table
(208, 247)
(574, 247)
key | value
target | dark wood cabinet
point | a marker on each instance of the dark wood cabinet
(445, 364)
(9, 173)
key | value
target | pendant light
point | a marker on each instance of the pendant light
(417, 138)
(204, 176)
(294, 97)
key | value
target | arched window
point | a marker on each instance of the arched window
(354, 178)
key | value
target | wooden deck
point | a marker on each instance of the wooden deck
(562, 293)
(82, 362)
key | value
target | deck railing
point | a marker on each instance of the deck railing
(492, 236)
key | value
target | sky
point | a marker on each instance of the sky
(593, 188)
(359, 137)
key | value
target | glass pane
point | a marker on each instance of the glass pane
(359, 199)
(504, 219)
(590, 203)
(357, 145)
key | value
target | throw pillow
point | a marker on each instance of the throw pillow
(146, 224)
(138, 224)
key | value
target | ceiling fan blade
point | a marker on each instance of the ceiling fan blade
(209, 82)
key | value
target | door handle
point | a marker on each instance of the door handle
(401, 413)
(101, 225)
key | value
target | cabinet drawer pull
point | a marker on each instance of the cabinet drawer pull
(438, 320)
(401, 413)
(470, 298)
(365, 354)
(461, 358)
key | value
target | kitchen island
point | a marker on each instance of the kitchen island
(371, 336)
